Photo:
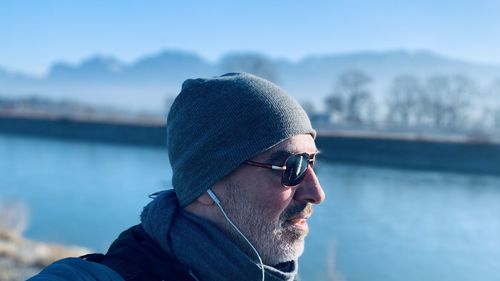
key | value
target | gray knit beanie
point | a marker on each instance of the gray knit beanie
(216, 124)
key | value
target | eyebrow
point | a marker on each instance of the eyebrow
(279, 156)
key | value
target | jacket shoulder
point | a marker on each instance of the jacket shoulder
(78, 270)
(135, 256)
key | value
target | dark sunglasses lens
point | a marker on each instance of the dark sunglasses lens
(296, 167)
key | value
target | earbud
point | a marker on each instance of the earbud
(214, 197)
(217, 202)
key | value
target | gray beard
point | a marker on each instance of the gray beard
(274, 242)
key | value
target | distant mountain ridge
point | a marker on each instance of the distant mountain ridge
(149, 81)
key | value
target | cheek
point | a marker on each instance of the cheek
(262, 193)
(276, 201)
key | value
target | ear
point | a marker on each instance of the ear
(205, 199)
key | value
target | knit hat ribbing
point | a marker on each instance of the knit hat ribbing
(216, 124)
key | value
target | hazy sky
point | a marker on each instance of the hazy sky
(34, 34)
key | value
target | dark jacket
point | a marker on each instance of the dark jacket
(134, 256)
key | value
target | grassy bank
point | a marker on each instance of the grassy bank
(21, 258)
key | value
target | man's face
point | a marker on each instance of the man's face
(273, 217)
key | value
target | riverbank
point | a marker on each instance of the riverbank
(122, 131)
(411, 152)
(21, 258)
(366, 148)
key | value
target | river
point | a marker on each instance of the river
(376, 223)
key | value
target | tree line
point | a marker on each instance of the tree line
(437, 102)
(445, 102)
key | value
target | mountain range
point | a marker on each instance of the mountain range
(149, 82)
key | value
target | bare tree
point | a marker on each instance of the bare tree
(497, 119)
(493, 93)
(487, 104)
(350, 98)
(447, 100)
(405, 106)
(335, 107)
(252, 63)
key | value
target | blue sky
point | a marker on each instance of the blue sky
(35, 34)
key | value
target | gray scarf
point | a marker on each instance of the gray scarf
(203, 247)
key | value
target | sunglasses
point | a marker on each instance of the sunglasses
(294, 169)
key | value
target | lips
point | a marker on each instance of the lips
(294, 218)
(299, 221)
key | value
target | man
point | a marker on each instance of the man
(241, 152)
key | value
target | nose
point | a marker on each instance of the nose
(309, 190)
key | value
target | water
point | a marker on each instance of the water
(376, 224)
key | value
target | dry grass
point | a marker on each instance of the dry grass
(332, 273)
(14, 217)
(20, 257)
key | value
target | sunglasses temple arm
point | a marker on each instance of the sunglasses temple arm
(263, 165)
(278, 168)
